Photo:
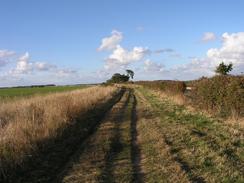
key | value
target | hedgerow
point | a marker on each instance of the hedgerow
(173, 87)
(222, 95)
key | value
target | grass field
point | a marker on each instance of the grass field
(8, 93)
(117, 134)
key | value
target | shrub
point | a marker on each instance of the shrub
(220, 94)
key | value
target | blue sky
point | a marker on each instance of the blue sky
(57, 41)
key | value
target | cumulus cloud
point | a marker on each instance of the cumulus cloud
(150, 66)
(28, 72)
(6, 53)
(110, 43)
(121, 57)
(231, 51)
(208, 36)
(23, 65)
(42, 66)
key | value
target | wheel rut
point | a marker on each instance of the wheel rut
(112, 153)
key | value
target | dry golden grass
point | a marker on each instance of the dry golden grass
(27, 122)
(176, 98)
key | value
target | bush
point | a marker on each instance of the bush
(220, 94)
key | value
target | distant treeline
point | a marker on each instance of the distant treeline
(48, 85)
(30, 86)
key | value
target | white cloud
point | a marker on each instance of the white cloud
(23, 65)
(231, 51)
(28, 72)
(121, 57)
(208, 36)
(6, 53)
(110, 43)
(150, 66)
(42, 66)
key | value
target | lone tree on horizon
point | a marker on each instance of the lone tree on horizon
(224, 69)
(121, 78)
(130, 73)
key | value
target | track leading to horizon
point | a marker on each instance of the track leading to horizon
(146, 139)
(143, 138)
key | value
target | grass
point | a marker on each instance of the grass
(10, 93)
(88, 163)
(203, 147)
(157, 163)
(99, 135)
(106, 156)
(28, 124)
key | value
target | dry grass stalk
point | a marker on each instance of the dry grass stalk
(26, 122)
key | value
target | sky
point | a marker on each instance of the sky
(86, 41)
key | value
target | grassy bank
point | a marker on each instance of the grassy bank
(28, 125)
(206, 150)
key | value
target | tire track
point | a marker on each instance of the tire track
(135, 149)
(89, 161)
(116, 147)
(112, 154)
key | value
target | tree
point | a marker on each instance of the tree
(118, 78)
(130, 73)
(224, 69)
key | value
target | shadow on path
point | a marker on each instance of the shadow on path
(116, 145)
(135, 150)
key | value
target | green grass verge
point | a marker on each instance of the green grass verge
(9, 93)
(205, 148)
